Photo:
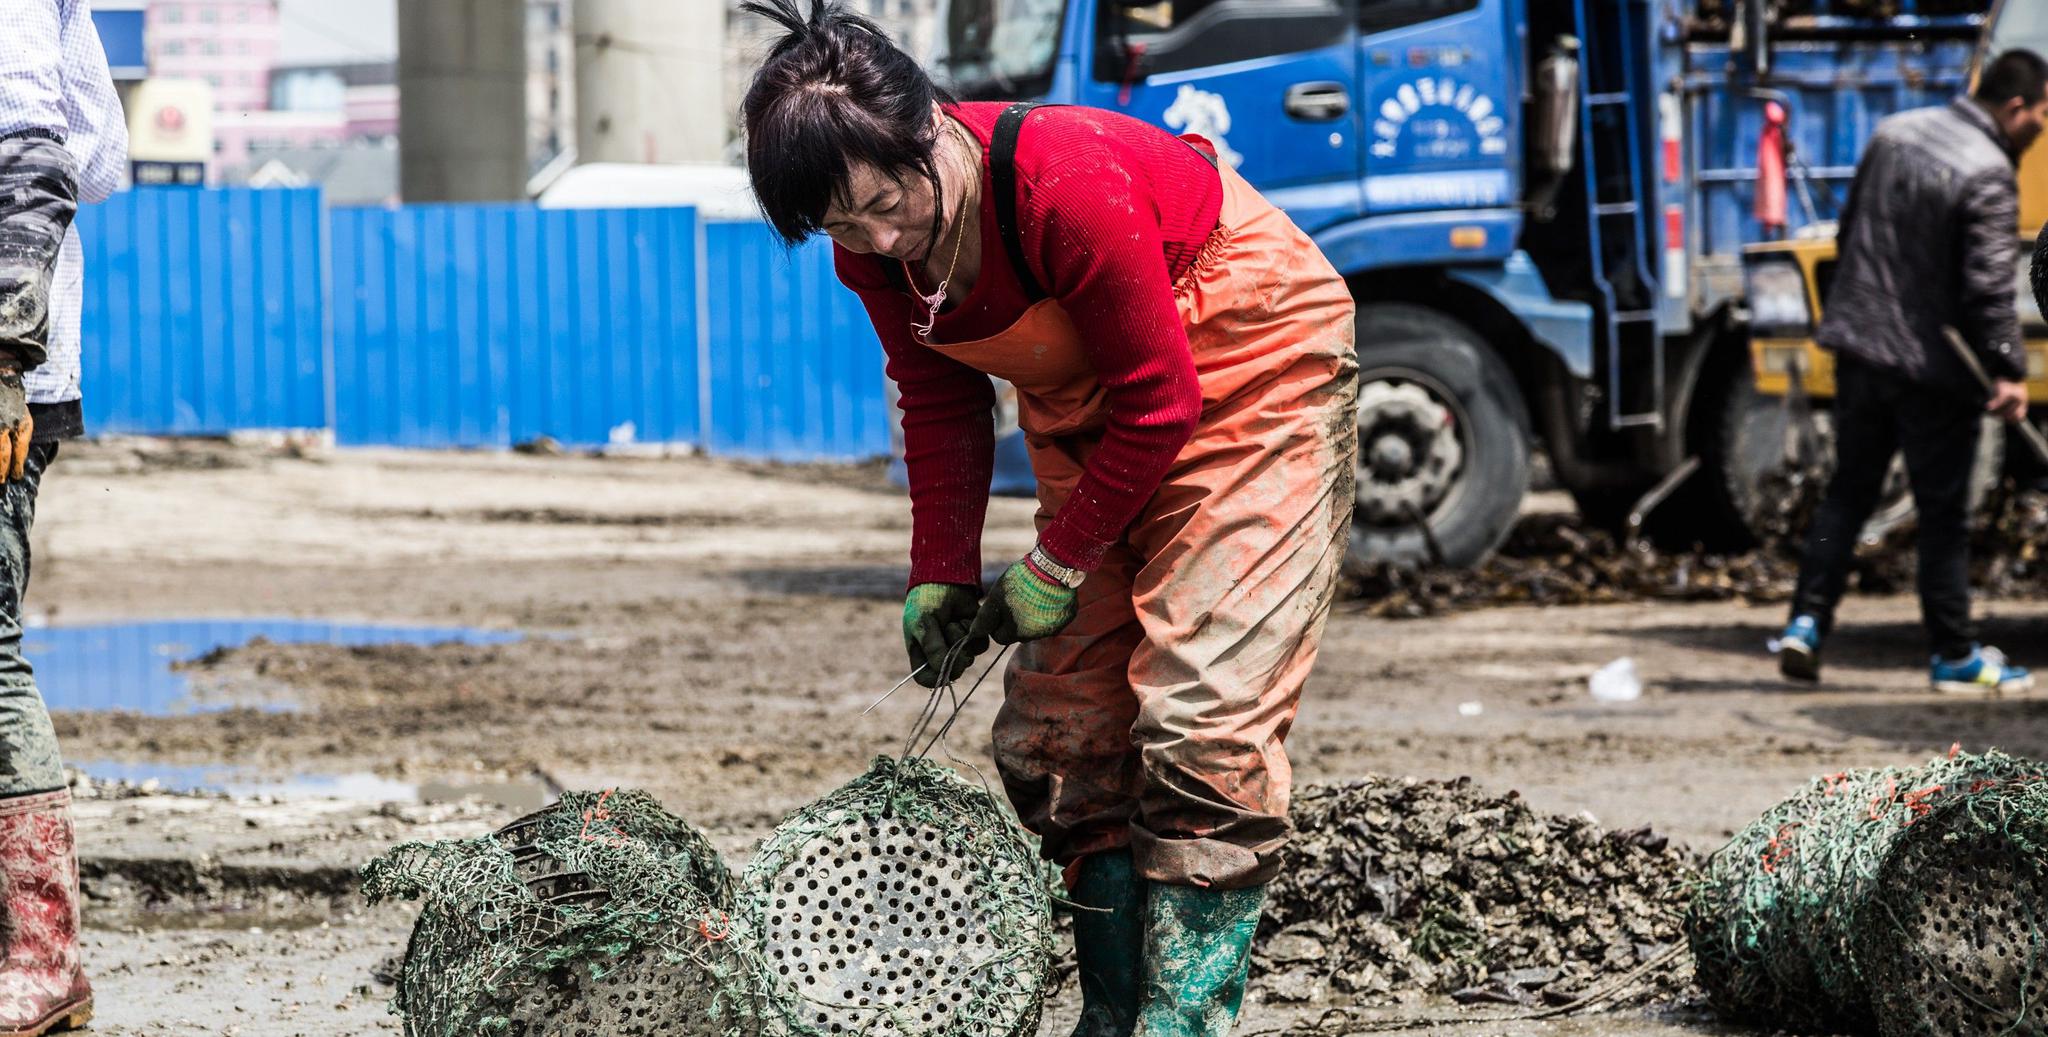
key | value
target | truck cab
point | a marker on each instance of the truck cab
(1521, 195)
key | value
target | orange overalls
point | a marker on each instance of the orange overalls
(1156, 719)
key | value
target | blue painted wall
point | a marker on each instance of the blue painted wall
(209, 311)
(488, 325)
(795, 370)
(203, 311)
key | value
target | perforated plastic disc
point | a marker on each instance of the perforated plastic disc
(886, 926)
(640, 997)
(625, 935)
(904, 904)
(1960, 949)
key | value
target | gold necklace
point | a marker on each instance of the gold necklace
(937, 299)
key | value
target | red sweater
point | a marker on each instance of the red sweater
(1111, 211)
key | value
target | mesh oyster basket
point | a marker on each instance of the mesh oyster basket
(1956, 942)
(1813, 917)
(601, 916)
(905, 904)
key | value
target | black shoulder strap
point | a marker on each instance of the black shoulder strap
(1002, 166)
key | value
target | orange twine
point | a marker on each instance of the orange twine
(597, 812)
(1779, 849)
(1916, 802)
(724, 930)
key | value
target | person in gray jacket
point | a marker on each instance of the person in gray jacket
(1929, 240)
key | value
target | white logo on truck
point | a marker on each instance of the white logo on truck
(1443, 119)
(1205, 115)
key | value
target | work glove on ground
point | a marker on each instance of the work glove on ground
(1025, 605)
(936, 616)
(16, 426)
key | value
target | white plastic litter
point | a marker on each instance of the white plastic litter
(1617, 681)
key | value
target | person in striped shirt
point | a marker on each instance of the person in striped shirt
(63, 140)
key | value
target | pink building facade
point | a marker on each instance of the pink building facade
(235, 133)
(231, 44)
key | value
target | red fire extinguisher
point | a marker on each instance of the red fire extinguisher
(1770, 171)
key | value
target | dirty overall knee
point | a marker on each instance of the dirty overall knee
(29, 759)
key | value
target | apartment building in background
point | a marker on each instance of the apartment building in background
(231, 44)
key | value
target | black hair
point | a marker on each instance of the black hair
(2016, 73)
(2039, 274)
(835, 92)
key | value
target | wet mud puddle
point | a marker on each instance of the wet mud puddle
(523, 796)
(139, 667)
(136, 666)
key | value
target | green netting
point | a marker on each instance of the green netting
(602, 915)
(1956, 940)
(1797, 922)
(909, 903)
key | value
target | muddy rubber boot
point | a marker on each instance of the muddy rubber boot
(42, 982)
(1110, 947)
(1198, 948)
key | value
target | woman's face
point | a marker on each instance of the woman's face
(882, 215)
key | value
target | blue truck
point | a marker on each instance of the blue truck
(1542, 207)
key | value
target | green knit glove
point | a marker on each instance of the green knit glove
(1026, 605)
(935, 618)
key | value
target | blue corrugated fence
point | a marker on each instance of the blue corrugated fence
(471, 325)
(794, 368)
(482, 325)
(203, 311)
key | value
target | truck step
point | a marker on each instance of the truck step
(1620, 97)
(1617, 209)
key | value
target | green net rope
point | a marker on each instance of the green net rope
(1956, 940)
(1784, 920)
(980, 851)
(515, 927)
(605, 914)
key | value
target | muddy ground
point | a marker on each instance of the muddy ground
(712, 631)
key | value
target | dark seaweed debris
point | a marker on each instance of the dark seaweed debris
(1552, 559)
(1395, 885)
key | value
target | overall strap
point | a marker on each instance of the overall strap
(1002, 166)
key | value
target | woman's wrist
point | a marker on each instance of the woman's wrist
(1044, 564)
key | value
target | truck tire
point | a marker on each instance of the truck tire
(1752, 436)
(1443, 434)
(1702, 512)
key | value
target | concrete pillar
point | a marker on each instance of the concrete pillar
(462, 100)
(649, 82)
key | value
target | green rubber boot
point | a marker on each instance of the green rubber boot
(1110, 946)
(1198, 947)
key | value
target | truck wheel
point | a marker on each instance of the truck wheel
(1702, 512)
(1753, 432)
(1442, 435)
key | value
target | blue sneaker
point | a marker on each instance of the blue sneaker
(1984, 672)
(1798, 650)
